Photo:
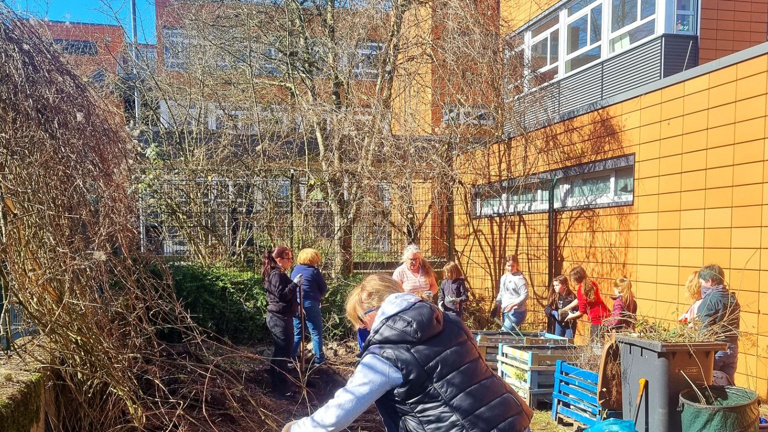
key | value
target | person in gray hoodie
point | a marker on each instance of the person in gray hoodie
(421, 368)
(720, 315)
(513, 295)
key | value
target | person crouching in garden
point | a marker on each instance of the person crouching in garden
(313, 288)
(453, 290)
(422, 369)
(281, 308)
(720, 315)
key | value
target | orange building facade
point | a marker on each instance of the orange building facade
(652, 185)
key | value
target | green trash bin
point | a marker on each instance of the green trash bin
(732, 409)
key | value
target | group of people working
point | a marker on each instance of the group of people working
(418, 362)
(287, 299)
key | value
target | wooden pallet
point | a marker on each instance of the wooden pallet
(574, 397)
(530, 369)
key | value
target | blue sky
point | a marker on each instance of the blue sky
(93, 11)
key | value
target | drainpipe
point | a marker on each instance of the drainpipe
(552, 240)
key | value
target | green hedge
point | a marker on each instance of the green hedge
(230, 303)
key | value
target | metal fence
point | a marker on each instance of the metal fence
(13, 324)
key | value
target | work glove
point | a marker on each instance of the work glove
(555, 315)
(441, 305)
(298, 279)
(450, 299)
(495, 311)
(287, 428)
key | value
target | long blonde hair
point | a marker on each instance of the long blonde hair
(625, 289)
(370, 294)
(693, 286)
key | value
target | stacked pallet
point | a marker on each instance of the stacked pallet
(575, 395)
(530, 369)
(490, 342)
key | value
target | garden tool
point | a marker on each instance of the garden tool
(516, 331)
(643, 385)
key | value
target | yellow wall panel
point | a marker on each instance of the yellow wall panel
(748, 217)
(694, 161)
(672, 108)
(671, 127)
(721, 197)
(672, 92)
(670, 257)
(693, 180)
(671, 146)
(697, 84)
(721, 257)
(669, 238)
(719, 177)
(648, 151)
(722, 76)
(750, 130)
(748, 195)
(722, 95)
(751, 151)
(719, 157)
(650, 115)
(692, 257)
(647, 203)
(692, 219)
(720, 136)
(745, 281)
(751, 67)
(693, 141)
(669, 202)
(695, 102)
(690, 200)
(750, 108)
(670, 165)
(717, 237)
(721, 115)
(717, 218)
(747, 173)
(751, 86)
(670, 183)
(650, 132)
(748, 259)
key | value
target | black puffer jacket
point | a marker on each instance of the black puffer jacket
(720, 315)
(281, 293)
(447, 386)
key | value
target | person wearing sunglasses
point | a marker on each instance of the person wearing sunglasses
(416, 274)
(282, 306)
(421, 368)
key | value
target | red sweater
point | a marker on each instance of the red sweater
(596, 309)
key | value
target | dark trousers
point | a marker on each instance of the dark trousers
(282, 334)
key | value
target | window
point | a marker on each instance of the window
(472, 115)
(77, 47)
(631, 22)
(605, 183)
(366, 65)
(175, 47)
(685, 16)
(545, 47)
(584, 33)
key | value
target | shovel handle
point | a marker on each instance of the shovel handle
(643, 384)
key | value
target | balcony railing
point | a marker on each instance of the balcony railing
(658, 58)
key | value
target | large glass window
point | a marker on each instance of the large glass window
(631, 22)
(545, 47)
(175, 49)
(604, 183)
(584, 33)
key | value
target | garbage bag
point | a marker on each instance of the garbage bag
(613, 425)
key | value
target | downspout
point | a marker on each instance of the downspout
(552, 241)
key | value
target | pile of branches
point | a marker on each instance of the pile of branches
(124, 353)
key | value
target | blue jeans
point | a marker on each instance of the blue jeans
(726, 361)
(517, 318)
(567, 329)
(314, 320)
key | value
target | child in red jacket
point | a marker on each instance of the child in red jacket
(589, 301)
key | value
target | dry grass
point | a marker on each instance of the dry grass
(542, 422)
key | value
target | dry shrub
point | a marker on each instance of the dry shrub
(68, 251)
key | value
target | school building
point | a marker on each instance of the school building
(634, 145)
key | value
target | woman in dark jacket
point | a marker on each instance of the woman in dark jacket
(313, 289)
(281, 307)
(420, 367)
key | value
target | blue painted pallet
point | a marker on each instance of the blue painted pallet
(574, 397)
